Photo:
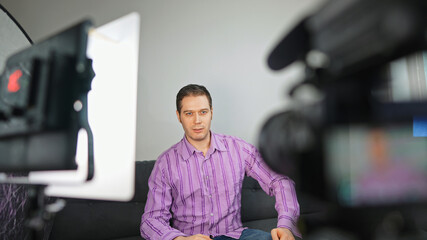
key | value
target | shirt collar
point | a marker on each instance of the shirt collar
(187, 150)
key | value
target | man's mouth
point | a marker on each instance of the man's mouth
(198, 130)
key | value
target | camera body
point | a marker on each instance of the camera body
(354, 150)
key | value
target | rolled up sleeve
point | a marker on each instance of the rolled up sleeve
(279, 186)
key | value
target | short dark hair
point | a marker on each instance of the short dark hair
(192, 90)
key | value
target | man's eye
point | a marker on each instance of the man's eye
(188, 113)
(204, 112)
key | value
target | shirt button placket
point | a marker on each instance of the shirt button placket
(208, 185)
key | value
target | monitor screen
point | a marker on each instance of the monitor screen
(383, 164)
(370, 166)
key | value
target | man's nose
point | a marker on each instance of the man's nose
(198, 118)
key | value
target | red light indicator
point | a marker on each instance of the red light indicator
(13, 85)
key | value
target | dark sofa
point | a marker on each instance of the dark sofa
(95, 220)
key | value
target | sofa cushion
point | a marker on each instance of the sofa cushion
(87, 219)
(95, 219)
(253, 195)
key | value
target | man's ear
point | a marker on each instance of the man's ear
(178, 116)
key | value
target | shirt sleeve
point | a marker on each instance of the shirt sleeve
(274, 184)
(155, 221)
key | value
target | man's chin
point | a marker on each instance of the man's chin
(199, 137)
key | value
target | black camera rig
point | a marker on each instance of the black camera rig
(347, 46)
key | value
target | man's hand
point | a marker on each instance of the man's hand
(282, 234)
(194, 237)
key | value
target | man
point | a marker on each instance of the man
(195, 186)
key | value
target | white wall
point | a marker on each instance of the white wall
(221, 44)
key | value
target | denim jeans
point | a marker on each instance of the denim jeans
(249, 234)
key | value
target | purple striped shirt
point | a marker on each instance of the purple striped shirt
(195, 194)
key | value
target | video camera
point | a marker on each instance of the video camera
(355, 149)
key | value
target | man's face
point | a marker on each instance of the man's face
(195, 117)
